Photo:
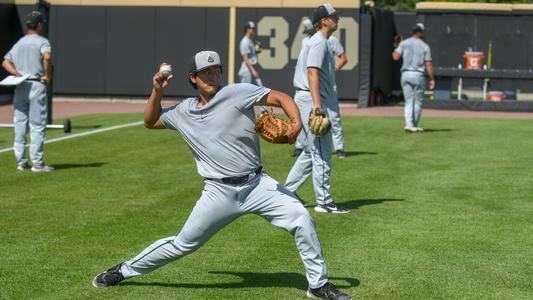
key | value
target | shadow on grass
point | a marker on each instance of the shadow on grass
(355, 204)
(73, 166)
(355, 153)
(254, 280)
(86, 126)
(437, 130)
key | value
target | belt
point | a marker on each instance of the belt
(302, 90)
(35, 79)
(238, 180)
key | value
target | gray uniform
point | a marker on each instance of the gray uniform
(224, 144)
(334, 112)
(415, 52)
(247, 46)
(316, 155)
(30, 97)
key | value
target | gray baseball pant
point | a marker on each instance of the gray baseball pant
(336, 124)
(246, 77)
(218, 206)
(315, 158)
(337, 136)
(29, 109)
(413, 85)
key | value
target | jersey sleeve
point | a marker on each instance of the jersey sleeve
(9, 55)
(169, 116)
(400, 47)
(427, 53)
(249, 94)
(317, 51)
(45, 47)
(336, 46)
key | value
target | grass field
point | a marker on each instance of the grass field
(446, 214)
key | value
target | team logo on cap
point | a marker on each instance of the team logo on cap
(210, 59)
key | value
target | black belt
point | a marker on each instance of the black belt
(237, 180)
(35, 79)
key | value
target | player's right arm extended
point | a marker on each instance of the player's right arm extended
(152, 109)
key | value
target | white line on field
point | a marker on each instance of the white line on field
(81, 134)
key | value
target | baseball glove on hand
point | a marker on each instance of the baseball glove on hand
(258, 47)
(396, 41)
(273, 129)
(318, 121)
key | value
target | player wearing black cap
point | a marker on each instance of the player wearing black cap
(31, 56)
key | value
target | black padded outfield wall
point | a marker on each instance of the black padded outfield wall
(10, 31)
(112, 50)
(511, 35)
(116, 50)
(280, 34)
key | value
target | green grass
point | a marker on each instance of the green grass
(446, 214)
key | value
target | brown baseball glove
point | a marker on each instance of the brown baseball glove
(273, 129)
(318, 121)
(396, 41)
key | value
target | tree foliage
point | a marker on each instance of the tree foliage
(411, 4)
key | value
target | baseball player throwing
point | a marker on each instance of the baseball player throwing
(218, 127)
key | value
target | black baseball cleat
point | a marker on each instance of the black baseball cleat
(110, 277)
(331, 208)
(327, 291)
(341, 154)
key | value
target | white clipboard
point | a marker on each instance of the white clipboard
(13, 80)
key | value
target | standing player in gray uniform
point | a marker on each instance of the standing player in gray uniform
(218, 127)
(314, 80)
(247, 72)
(334, 113)
(416, 56)
(31, 55)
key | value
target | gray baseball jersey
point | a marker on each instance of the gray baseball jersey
(415, 52)
(316, 53)
(335, 46)
(221, 134)
(27, 55)
(224, 143)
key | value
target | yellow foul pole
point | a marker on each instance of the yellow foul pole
(231, 46)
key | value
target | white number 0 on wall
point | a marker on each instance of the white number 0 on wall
(276, 56)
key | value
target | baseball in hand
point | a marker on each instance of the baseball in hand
(165, 70)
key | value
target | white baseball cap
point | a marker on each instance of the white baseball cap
(249, 24)
(324, 10)
(204, 60)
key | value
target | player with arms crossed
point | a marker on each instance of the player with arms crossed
(314, 81)
(218, 127)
